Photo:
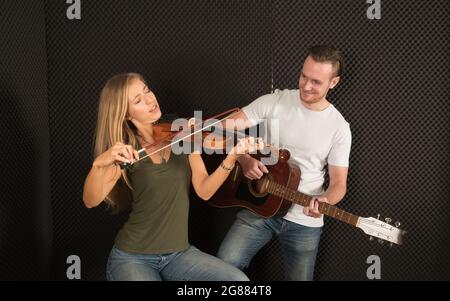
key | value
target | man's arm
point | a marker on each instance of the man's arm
(335, 192)
(252, 169)
(239, 121)
(338, 184)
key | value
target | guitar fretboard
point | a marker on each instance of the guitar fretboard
(304, 200)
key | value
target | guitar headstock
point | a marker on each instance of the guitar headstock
(383, 231)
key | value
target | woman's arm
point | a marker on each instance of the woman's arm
(104, 174)
(99, 183)
(206, 185)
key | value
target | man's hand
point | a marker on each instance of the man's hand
(252, 168)
(313, 208)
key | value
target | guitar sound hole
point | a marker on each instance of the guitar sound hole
(252, 192)
(259, 188)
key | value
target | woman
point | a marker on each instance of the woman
(153, 243)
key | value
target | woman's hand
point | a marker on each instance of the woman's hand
(118, 153)
(247, 145)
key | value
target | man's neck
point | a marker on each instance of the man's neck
(316, 106)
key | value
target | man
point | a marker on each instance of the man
(317, 136)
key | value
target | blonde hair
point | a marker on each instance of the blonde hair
(113, 127)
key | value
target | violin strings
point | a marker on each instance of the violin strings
(180, 139)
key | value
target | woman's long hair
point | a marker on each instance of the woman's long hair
(112, 127)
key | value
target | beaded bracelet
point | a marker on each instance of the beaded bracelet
(225, 167)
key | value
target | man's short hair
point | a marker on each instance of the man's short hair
(324, 53)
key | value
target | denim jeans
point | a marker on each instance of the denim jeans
(190, 264)
(250, 233)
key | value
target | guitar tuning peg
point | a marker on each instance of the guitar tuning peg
(388, 220)
(378, 216)
(397, 224)
(380, 241)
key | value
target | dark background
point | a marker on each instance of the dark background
(211, 56)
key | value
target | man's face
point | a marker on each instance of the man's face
(315, 80)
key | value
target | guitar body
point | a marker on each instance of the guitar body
(238, 191)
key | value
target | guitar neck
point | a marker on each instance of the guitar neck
(304, 200)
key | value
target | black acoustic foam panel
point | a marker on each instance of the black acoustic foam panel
(25, 216)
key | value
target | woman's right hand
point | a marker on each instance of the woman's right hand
(116, 154)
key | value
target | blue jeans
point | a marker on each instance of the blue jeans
(250, 233)
(190, 264)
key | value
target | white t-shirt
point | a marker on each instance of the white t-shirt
(314, 139)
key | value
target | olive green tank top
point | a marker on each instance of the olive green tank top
(158, 222)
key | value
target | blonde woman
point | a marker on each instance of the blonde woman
(153, 242)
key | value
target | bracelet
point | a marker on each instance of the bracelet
(225, 167)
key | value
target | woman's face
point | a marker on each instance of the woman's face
(143, 107)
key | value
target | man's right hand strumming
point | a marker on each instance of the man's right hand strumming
(252, 168)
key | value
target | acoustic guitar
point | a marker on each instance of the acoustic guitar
(276, 192)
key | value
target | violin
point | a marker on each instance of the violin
(168, 133)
